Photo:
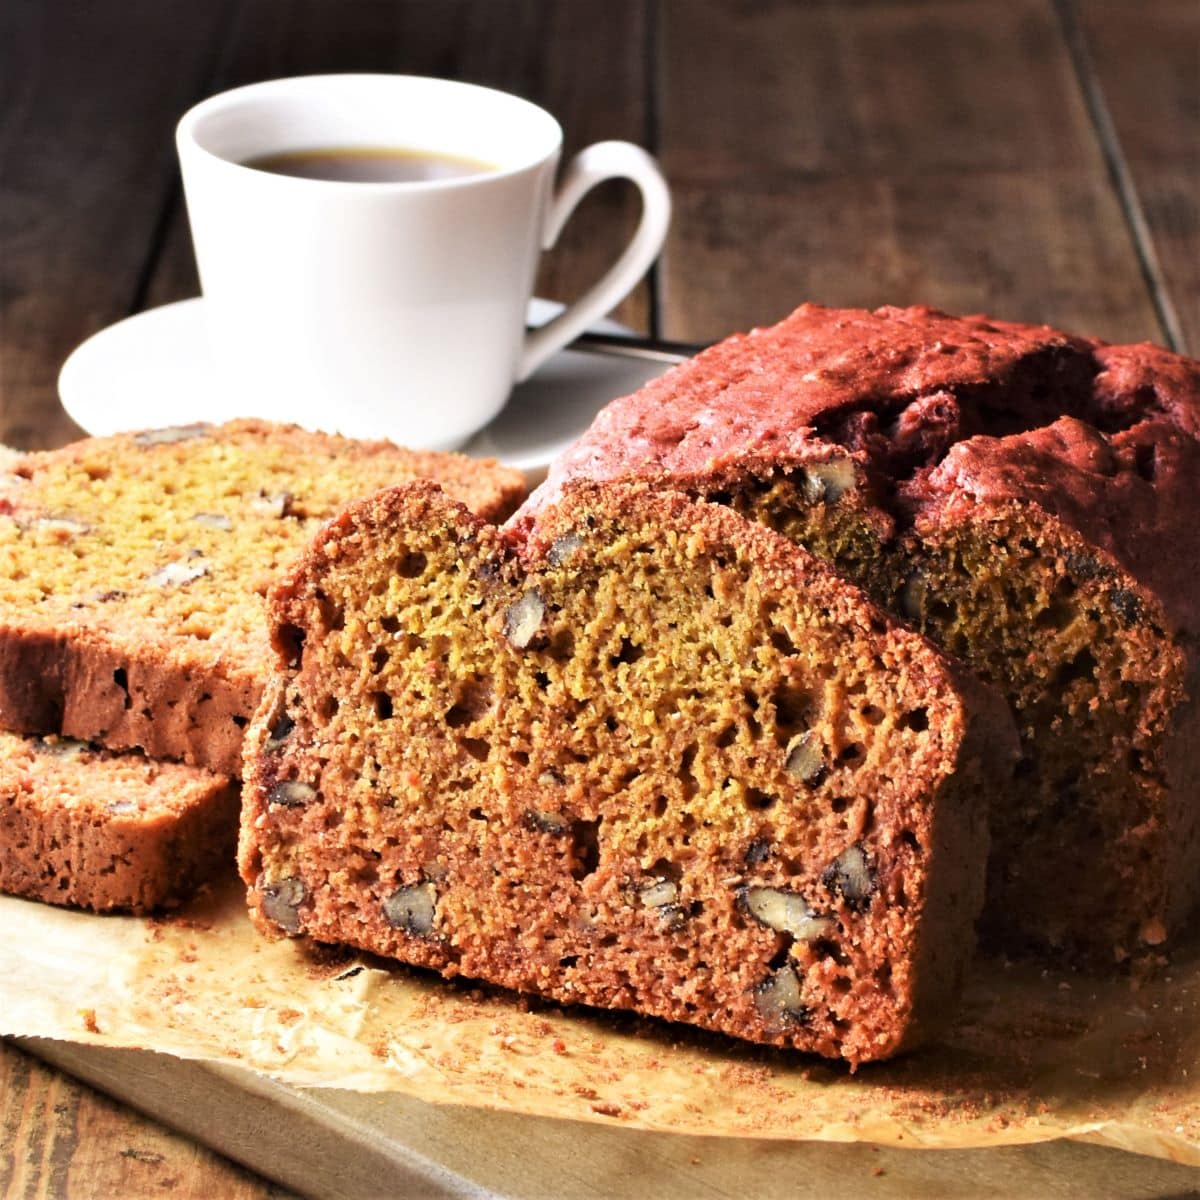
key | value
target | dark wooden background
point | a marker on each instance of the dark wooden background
(1033, 158)
(1037, 159)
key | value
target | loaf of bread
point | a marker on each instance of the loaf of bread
(1025, 498)
(85, 827)
(652, 757)
(132, 571)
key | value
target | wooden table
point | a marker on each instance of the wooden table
(1038, 159)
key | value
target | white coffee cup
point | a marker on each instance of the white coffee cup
(389, 309)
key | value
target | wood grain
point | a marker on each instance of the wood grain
(936, 151)
(1146, 58)
(354, 1147)
(88, 98)
(584, 63)
(59, 1138)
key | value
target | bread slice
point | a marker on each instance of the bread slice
(1027, 500)
(84, 827)
(132, 571)
(653, 758)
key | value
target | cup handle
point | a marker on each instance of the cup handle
(604, 160)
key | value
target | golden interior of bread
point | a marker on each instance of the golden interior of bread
(179, 532)
(664, 762)
(1079, 650)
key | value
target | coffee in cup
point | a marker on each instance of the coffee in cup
(369, 164)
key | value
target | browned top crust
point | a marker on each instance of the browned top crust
(769, 394)
(934, 410)
(1132, 494)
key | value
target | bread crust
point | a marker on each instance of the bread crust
(108, 832)
(935, 426)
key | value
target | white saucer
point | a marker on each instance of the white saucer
(153, 369)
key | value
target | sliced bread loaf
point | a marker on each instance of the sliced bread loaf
(84, 827)
(132, 571)
(652, 757)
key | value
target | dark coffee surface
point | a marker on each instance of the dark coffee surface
(369, 164)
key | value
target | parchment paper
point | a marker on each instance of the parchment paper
(1035, 1055)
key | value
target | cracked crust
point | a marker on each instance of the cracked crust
(1026, 498)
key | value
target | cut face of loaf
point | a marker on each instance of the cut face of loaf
(654, 758)
(132, 572)
(1097, 850)
(80, 826)
(1027, 500)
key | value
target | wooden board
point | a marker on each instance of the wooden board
(939, 150)
(337, 1144)
(59, 1137)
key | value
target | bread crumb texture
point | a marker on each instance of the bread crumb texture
(133, 570)
(1024, 498)
(655, 757)
(84, 827)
